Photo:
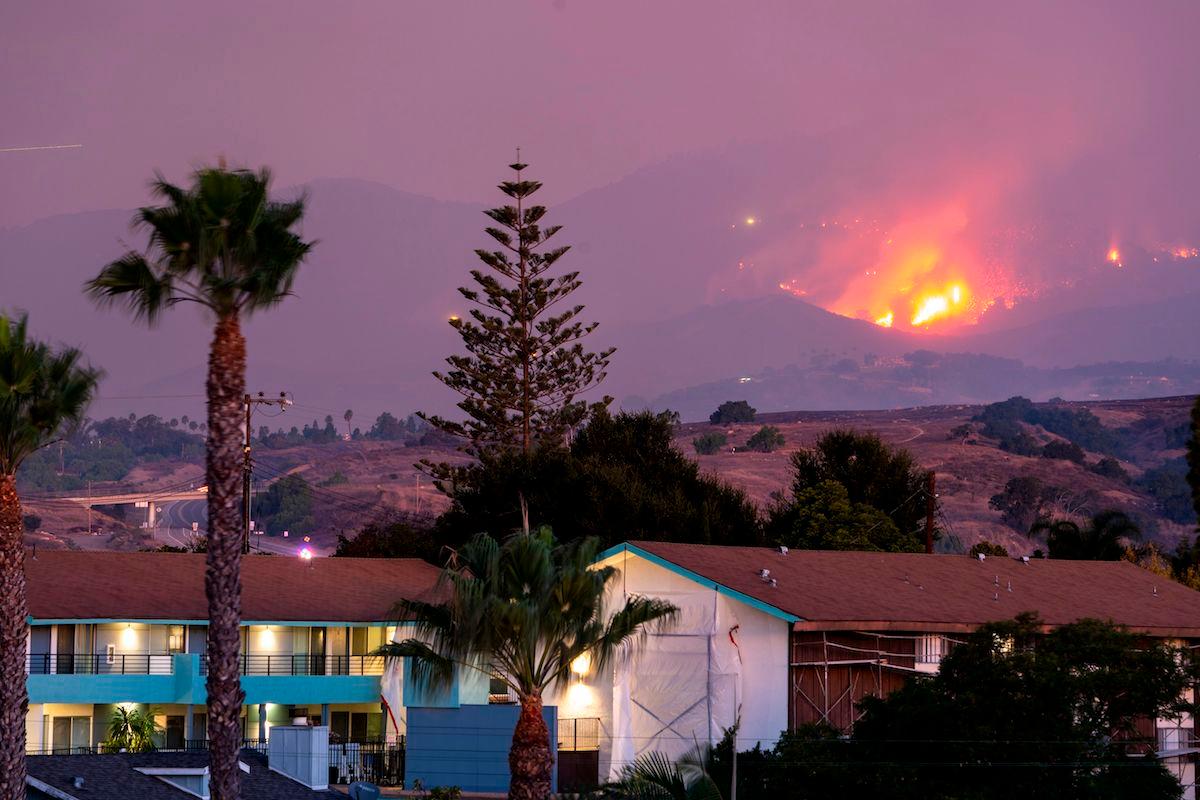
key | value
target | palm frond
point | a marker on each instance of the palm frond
(220, 242)
(132, 281)
(43, 393)
(429, 667)
(526, 607)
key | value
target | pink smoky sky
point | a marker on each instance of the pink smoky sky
(433, 97)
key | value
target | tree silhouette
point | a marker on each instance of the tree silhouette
(525, 365)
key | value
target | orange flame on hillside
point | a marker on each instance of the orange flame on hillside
(936, 306)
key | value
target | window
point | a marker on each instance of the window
(1171, 738)
(70, 733)
(499, 693)
(197, 639)
(173, 732)
(931, 648)
(349, 726)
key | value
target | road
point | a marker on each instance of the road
(175, 529)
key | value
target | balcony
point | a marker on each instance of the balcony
(111, 677)
(100, 664)
(305, 665)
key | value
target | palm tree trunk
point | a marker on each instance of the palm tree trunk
(223, 580)
(529, 761)
(14, 698)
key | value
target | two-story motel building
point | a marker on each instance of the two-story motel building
(130, 628)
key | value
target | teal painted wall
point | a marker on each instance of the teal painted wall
(467, 687)
(467, 746)
(187, 686)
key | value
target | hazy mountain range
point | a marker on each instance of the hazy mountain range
(690, 297)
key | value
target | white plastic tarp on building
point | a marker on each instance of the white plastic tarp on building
(682, 688)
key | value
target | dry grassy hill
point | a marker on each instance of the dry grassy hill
(381, 476)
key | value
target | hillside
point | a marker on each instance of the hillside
(356, 482)
(970, 472)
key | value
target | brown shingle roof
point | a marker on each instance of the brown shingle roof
(917, 592)
(65, 584)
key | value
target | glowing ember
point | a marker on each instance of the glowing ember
(886, 320)
(751, 221)
(1114, 256)
(793, 288)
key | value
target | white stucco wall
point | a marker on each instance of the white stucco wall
(676, 665)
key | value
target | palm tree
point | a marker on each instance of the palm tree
(224, 244)
(131, 730)
(522, 611)
(43, 394)
(655, 777)
(1102, 539)
(349, 415)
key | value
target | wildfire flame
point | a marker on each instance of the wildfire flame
(935, 306)
(886, 320)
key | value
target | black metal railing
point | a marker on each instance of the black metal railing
(374, 760)
(577, 735)
(252, 664)
(99, 664)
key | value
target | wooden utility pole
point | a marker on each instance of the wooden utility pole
(283, 402)
(930, 510)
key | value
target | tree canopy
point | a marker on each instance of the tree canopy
(1012, 712)
(621, 478)
(825, 519)
(1104, 538)
(766, 439)
(872, 473)
(732, 411)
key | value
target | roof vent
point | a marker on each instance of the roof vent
(783, 551)
(77, 781)
(765, 574)
(982, 556)
(774, 583)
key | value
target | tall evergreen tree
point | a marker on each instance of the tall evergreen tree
(525, 364)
